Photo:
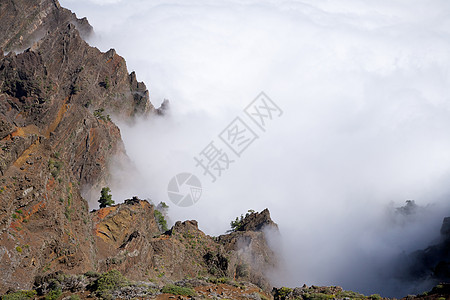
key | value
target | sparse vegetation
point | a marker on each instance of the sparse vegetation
(318, 296)
(216, 280)
(351, 295)
(177, 290)
(98, 113)
(20, 295)
(74, 89)
(110, 280)
(67, 213)
(282, 293)
(53, 294)
(46, 268)
(107, 282)
(162, 223)
(106, 198)
(162, 206)
(262, 297)
(242, 270)
(106, 83)
(54, 167)
(92, 274)
(236, 225)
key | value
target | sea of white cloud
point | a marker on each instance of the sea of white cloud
(363, 86)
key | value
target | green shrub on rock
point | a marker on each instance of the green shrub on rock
(105, 198)
(177, 290)
(162, 223)
(53, 294)
(20, 295)
(110, 280)
(282, 293)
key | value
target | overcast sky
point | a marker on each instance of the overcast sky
(363, 86)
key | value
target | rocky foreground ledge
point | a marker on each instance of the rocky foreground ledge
(113, 285)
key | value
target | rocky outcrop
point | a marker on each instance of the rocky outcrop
(257, 222)
(128, 239)
(253, 259)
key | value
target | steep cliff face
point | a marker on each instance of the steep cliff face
(24, 22)
(252, 258)
(56, 137)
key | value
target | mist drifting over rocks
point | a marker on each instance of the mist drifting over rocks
(364, 90)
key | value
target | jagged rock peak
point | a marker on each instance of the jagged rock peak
(257, 221)
(163, 109)
(25, 21)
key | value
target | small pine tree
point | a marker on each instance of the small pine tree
(105, 198)
(236, 224)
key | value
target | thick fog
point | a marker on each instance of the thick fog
(364, 91)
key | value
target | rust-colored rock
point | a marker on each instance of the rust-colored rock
(128, 239)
